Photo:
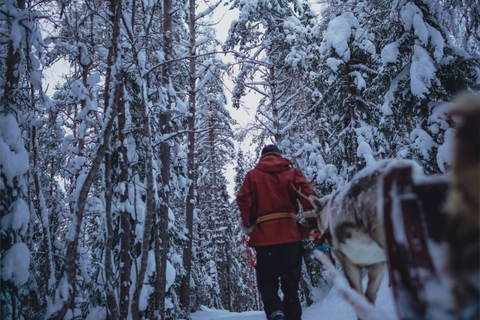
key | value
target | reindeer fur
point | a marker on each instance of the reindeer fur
(351, 216)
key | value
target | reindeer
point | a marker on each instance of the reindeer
(349, 219)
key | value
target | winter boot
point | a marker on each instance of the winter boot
(277, 315)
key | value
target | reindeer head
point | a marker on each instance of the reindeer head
(322, 207)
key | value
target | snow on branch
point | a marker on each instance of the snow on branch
(208, 10)
(273, 132)
(288, 99)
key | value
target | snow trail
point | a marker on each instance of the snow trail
(331, 307)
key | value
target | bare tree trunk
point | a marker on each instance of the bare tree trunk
(149, 215)
(110, 113)
(13, 58)
(216, 213)
(112, 304)
(273, 104)
(187, 251)
(49, 266)
(161, 240)
(125, 215)
(161, 235)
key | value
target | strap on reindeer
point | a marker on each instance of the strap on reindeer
(324, 245)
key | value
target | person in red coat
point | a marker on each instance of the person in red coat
(269, 202)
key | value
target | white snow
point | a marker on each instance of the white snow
(422, 141)
(338, 34)
(171, 274)
(36, 79)
(408, 12)
(17, 218)
(437, 41)
(444, 153)
(97, 313)
(62, 294)
(420, 28)
(93, 79)
(327, 172)
(79, 89)
(390, 53)
(334, 63)
(422, 71)
(359, 80)
(365, 151)
(147, 290)
(15, 264)
(331, 307)
(142, 58)
(13, 156)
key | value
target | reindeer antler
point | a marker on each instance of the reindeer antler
(312, 182)
(300, 192)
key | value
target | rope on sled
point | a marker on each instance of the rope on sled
(251, 260)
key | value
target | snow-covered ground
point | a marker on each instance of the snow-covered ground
(331, 307)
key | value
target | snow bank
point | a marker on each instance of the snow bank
(97, 313)
(351, 298)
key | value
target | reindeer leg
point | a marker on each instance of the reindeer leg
(353, 273)
(375, 276)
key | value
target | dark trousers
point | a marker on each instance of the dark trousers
(284, 262)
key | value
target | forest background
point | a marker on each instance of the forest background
(113, 189)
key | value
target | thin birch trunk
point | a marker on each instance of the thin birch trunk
(187, 252)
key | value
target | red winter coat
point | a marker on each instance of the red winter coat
(268, 189)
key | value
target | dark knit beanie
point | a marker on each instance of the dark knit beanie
(271, 148)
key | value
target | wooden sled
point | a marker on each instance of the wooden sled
(415, 222)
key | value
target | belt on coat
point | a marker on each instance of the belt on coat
(276, 216)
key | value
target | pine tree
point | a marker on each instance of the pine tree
(348, 56)
(274, 42)
(215, 149)
(421, 70)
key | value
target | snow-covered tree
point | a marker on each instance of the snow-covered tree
(462, 19)
(20, 85)
(348, 56)
(215, 149)
(275, 43)
(421, 70)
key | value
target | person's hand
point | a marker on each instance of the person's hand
(246, 229)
